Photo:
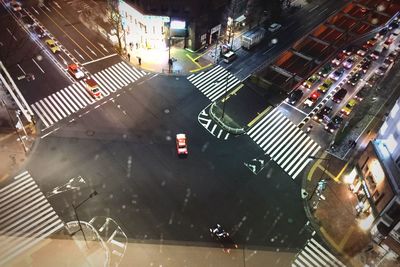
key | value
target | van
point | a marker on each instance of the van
(229, 57)
(396, 32)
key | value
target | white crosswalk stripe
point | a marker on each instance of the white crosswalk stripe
(26, 217)
(315, 255)
(284, 142)
(215, 82)
(205, 120)
(75, 97)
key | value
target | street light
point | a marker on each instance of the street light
(94, 193)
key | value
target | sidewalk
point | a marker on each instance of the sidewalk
(13, 155)
(333, 215)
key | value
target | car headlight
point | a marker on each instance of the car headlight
(315, 117)
(331, 130)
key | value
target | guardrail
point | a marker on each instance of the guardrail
(227, 128)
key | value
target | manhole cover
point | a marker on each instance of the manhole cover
(166, 111)
(90, 133)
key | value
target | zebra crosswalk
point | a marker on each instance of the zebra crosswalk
(284, 142)
(75, 97)
(26, 217)
(315, 255)
(215, 82)
(216, 130)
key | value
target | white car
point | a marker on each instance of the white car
(274, 27)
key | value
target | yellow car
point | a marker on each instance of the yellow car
(52, 45)
(349, 107)
(310, 81)
(325, 85)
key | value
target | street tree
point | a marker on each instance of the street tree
(115, 19)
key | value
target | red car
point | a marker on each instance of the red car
(309, 102)
(75, 71)
(181, 144)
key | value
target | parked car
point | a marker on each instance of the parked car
(338, 59)
(348, 63)
(355, 78)
(294, 97)
(325, 70)
(334, 124)
(392, 56)
(325, 85)
(366, 65)
(362, 93)
(310, 81)
(336, 75)
(220, 235)
(339, 95)
(382, 69)
(362, 51)
(349, 107)
(322, 114)
(312, 99)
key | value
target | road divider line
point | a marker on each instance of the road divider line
(34, 61)
(96, 60)
(81, 33)
(21, 69)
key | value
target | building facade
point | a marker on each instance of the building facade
(191, 24)
(376, 182)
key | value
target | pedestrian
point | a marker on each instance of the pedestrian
(131, 45)
(129, 57)
(140, 60)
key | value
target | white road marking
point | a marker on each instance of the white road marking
(64, 61)
(34, 61)
(89, 62)
(57, 4)
(15, 38)
(35, 10)
(102, 46)
(91, 51)
(21, 69)
(79, 55)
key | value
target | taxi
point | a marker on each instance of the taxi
(349, 107)
(325, 85)
(93, 88)
(75, 71)
(310, 81)
(52, 45)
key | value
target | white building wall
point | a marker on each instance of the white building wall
(143, 31)
(390, 132)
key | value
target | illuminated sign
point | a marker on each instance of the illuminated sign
(178, 24)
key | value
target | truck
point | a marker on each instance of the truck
(252, 37)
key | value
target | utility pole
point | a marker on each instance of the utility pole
(94, 193)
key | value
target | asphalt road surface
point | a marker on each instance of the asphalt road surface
(125, 150)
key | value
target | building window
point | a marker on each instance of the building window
(391, 143)
(383, 128)
(394, 111)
